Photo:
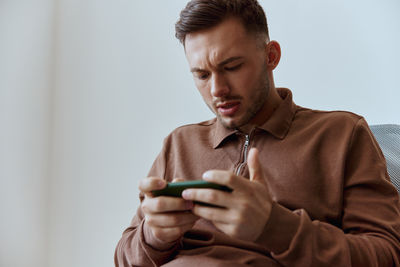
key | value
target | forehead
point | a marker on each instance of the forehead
(213, 45)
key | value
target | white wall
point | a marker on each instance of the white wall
(116, 81)
(121, 84)
(340, 54)
(25, 70)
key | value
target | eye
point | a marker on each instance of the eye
(233, 68)
(202, 75)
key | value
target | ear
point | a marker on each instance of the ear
(273, 50)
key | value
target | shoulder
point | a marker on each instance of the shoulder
(193, 132)
(195, 127)
(335, 118)
(328, 125)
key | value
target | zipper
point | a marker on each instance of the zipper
(245, 148)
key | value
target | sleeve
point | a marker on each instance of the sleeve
(369, 234)
(132, 249)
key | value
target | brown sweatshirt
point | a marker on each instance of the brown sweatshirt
(334, 204)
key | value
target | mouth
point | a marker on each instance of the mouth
(228, 108)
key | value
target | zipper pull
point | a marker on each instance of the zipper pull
(246, 146)
(246, 143)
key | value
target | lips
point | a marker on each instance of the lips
(228, 108)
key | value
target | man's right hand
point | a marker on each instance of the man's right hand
(168, 218)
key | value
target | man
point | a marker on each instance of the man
(310, 188)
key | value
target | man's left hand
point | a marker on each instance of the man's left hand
(244, 212)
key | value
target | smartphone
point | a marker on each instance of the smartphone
(175, 189)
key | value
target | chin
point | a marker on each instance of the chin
(230, 123)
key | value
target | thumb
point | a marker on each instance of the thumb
(177, 180)
(255, 169)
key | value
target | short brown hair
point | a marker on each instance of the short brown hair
(204, 14)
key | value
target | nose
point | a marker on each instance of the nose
(219, 86)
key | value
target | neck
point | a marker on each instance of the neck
(270, 105)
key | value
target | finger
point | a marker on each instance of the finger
(171, 219)
(177, 180)
(210, 196)
(149, 184)
(227, 228)
(226, 178)
(165, 204)
(255, 169)
(257, 175)
(171, 233)
(213, 214)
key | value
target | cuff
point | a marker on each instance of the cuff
(154, 243)
(157, 252)
(279, 230)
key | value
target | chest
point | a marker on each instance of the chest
(301, 174)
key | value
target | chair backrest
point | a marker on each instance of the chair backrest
(388, 137)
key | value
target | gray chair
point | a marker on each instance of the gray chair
(388, 137)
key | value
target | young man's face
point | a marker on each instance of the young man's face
(229, 67)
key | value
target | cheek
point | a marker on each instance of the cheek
(249, 81)
(249, 77)
(204, 92)
(243, 79)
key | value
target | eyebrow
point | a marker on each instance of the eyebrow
(226, 61)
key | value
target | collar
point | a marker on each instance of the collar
(278, 124)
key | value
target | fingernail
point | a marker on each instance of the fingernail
(161, 183)
(186, 194)
(206, 175)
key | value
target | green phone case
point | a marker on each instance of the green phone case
(175, 189)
